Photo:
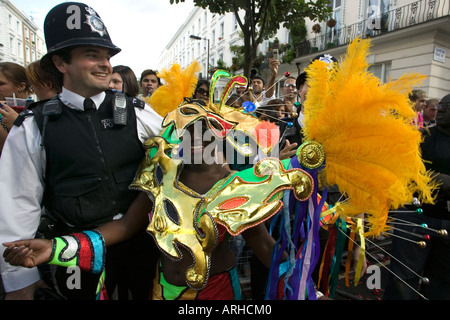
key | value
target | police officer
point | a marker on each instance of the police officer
(76, 155)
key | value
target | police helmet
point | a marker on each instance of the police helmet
(325, 57)
(72, 24)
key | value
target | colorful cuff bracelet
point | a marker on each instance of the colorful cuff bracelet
(85, 250)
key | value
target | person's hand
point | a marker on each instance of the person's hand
(288, 151)
(28, 253)
(273, 66)
(26, 293)
(9, 115)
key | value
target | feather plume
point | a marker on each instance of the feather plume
(178, 84)
(372, 150)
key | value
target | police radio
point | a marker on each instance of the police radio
(120, 108)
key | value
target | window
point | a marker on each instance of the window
(27, 54)
(235, 23)
(375, 14)
(336, 6)
(332, 32)
(381, 71)
(221, 31)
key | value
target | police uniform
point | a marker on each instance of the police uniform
(78, 163)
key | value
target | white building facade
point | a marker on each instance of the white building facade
(21, 41)
(215, 34)
(407, 36)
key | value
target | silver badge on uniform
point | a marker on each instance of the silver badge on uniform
(95, 22)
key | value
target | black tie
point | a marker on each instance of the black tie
(88, 105)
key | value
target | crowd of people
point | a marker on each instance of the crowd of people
(69, 158)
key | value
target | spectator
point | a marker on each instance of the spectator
(273, 111)
(418, 98)
(289, 91)
(260, 92)
(13, 84)
(429, 113)
(42, 82)
(124, 79)
(202, 90)
(149, 82)
(234, 100)
(425, 271)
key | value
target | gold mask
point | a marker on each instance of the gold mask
(177, 217)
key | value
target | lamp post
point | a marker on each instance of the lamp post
(207, 61)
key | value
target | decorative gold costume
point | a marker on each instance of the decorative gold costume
(241, 201)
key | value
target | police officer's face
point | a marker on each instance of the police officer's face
(88, 72)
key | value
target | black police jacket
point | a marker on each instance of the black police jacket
(90, 162)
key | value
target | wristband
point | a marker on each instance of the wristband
(3, 125)
(85, 250)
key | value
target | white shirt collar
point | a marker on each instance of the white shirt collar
(75, 101)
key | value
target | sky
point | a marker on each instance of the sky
(141, 28)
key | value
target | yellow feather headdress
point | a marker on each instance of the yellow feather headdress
(372, 150)
(179, 84)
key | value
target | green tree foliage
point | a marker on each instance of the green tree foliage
(263, 18)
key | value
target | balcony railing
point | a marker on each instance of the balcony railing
(418, 12)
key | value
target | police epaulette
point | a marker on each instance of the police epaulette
(21, 118)
(137, 103)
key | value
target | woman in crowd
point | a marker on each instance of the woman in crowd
(124, 79)
(202, 90)
(42, 83)
(13, 83)
(273, 111)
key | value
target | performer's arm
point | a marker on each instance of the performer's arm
(261, 243)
